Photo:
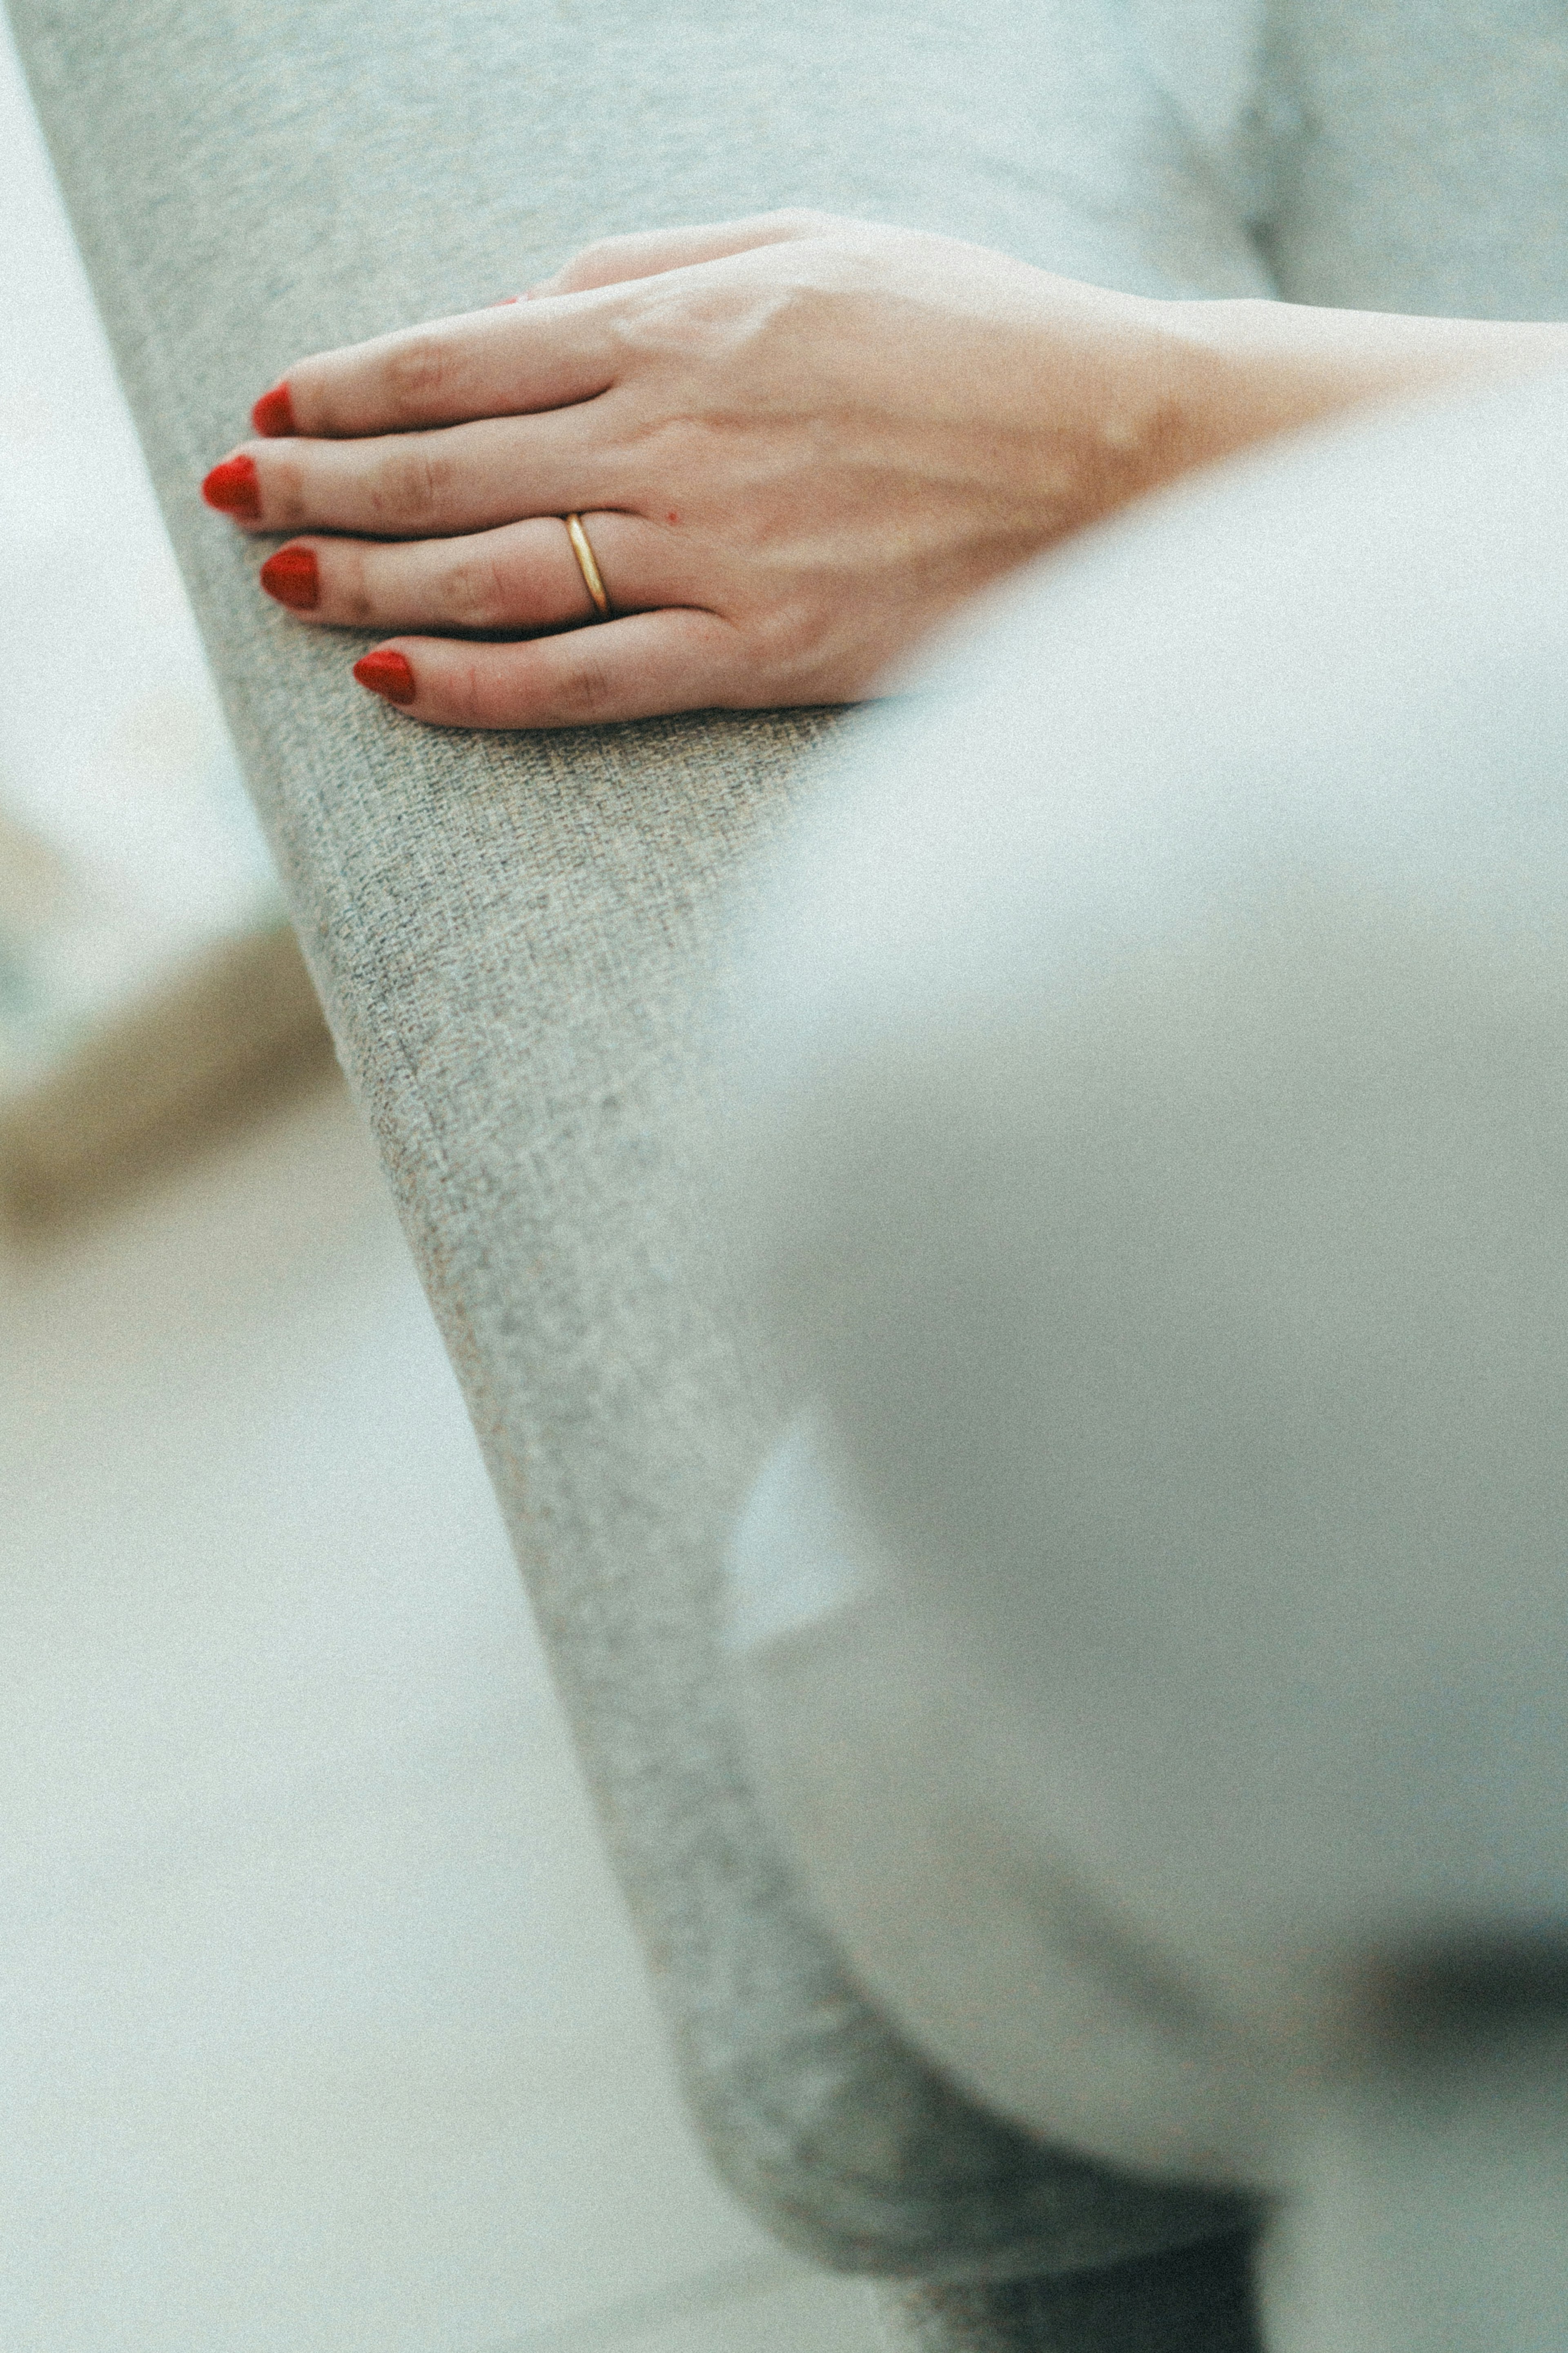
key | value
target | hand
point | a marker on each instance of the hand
(797, 444)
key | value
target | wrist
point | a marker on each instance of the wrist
(1117, 396)
(1253, 368)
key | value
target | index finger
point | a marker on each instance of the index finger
(647, 253)
(492, 362)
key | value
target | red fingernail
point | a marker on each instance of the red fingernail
(291, 576)
(273, 415)
(503, 301)
(388, 674)
(232, 487)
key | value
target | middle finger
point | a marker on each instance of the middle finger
(421, 485)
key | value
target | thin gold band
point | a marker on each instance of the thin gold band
(587, 566)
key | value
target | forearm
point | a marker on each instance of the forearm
(1258, 368)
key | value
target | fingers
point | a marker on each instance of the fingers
(419, 485)
(507, 360)
(615, 259)
(678, 660)
(523, 576)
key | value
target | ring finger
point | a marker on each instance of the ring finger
(524, 576)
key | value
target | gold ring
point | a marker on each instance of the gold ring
(592, 579)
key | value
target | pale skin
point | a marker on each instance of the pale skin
(797, 444)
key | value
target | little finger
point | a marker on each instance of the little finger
(677, 660)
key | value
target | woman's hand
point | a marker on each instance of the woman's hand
(795, 443)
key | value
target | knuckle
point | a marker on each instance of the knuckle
(353, 591)
(414, 483)
(347, 595)
(593, 263)
(582, 689)
(418, 371)
(285, 504)
(778, 639)
(475, 697)
(475, 592)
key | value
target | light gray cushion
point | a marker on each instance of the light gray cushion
(513, 935)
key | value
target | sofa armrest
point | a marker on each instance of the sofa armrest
(514, 937)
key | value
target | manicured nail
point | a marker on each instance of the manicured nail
(273, 415)
(232, 487)
(291, 576)
(388, 674)
(501, 302)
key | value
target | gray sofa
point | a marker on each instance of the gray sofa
(516, 937)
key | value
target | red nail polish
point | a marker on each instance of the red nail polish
(388, 674)
(292, 577)
(500, 304)
(273, 415)
(232, 487)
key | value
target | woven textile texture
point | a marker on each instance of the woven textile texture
(513, 935)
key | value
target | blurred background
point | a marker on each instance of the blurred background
(320, 2025)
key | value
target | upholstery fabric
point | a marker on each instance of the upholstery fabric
(1385, 155)
(513, 936)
